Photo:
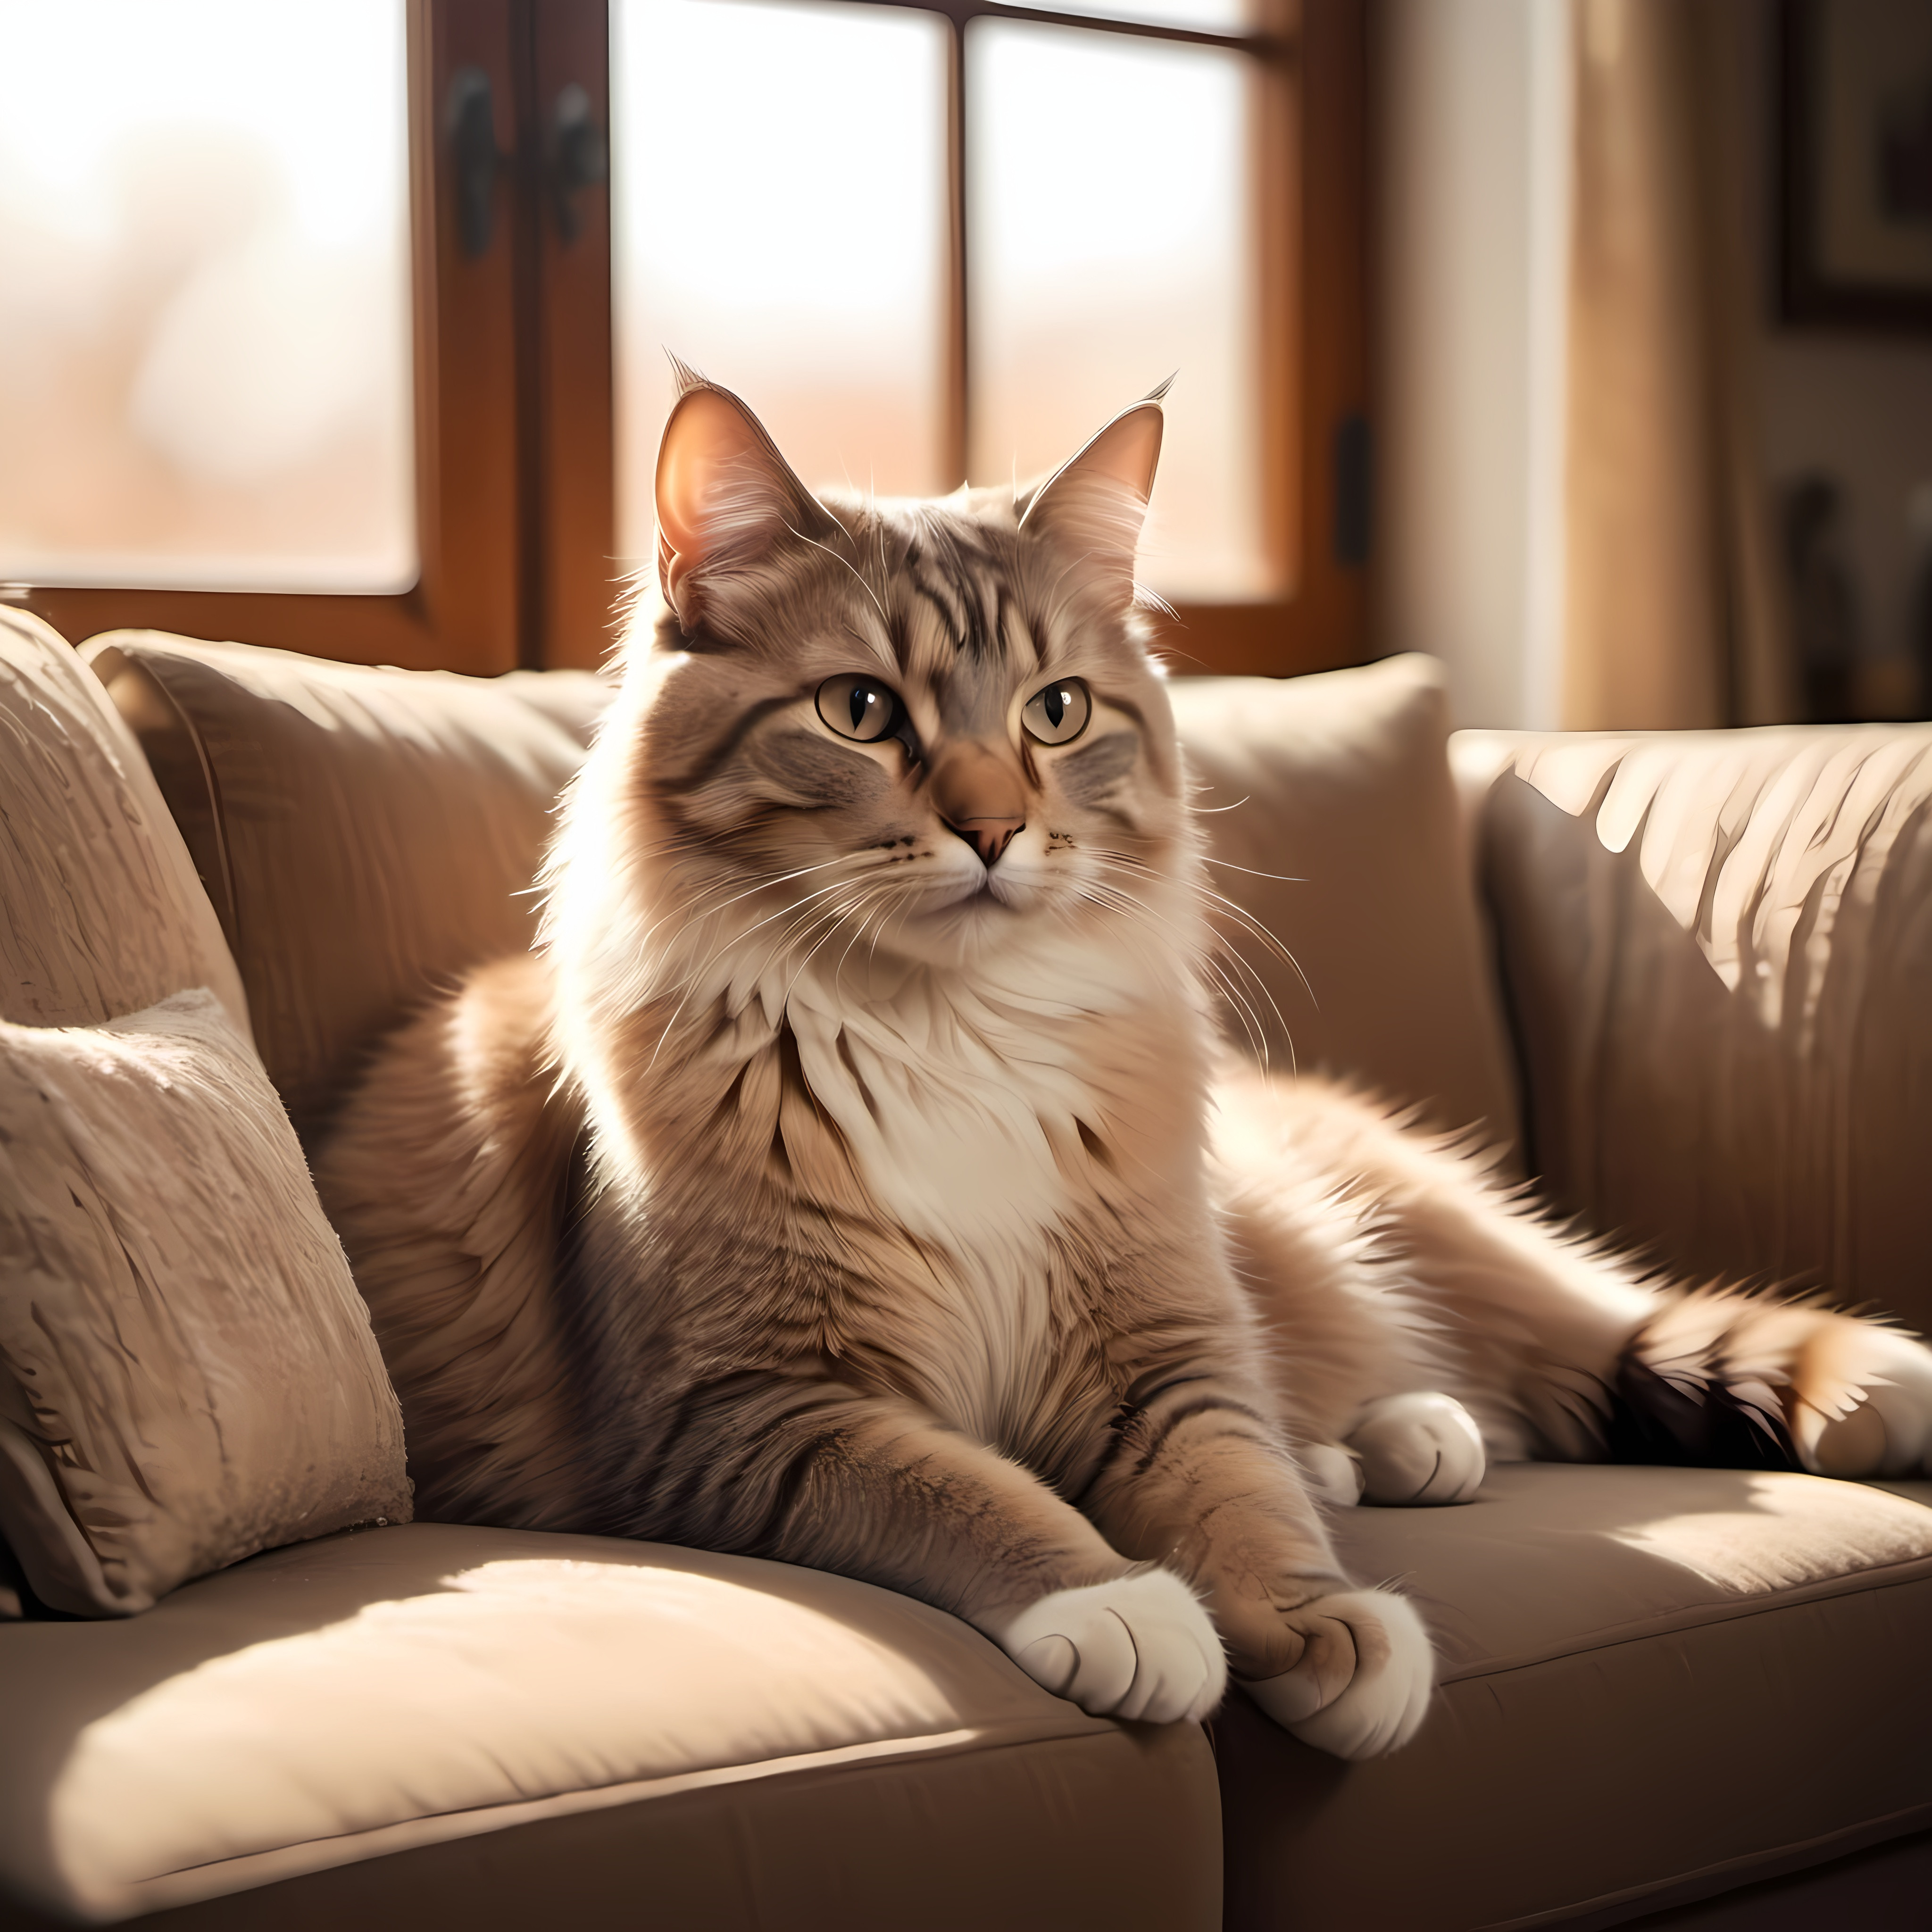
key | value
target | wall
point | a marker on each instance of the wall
(1473, 154)
(1858, 406)
(1474, 158)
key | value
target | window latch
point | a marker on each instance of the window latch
(579, 158)
(469, 123)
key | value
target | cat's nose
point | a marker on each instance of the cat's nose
(980, 798)
(989, 837)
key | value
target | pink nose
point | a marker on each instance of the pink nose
(979, 797)
(989, 837)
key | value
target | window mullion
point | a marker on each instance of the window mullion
(958, 358)
(568, 526)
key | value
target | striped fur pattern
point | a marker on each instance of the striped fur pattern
(841, 1184)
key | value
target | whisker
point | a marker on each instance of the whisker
(1223, 906)
(1122, 901)
(1228, 865)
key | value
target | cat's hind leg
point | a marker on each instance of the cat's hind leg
(1358, 1357)
(1556, 1347)
(1719, 1376)
(1422, 1447)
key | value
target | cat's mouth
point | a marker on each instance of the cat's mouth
(992, 894)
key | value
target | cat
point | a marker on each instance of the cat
(853, 1174)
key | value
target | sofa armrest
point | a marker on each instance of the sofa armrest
(1716, 949)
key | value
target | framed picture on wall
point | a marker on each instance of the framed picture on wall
(1855, 152)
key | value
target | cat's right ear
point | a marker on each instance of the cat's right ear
(1095, 501)
(725, 496)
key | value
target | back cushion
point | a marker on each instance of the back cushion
(1332, 823)
(1717, 949)
(365, 834)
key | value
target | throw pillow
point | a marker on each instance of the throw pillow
(103, 914)
(187, 1373)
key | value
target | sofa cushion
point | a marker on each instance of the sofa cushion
(1656, 1684)
(418, 1687)
(1332, 821)
(366, 834)
(1717, 947)
(186, 1373)
(103, 914)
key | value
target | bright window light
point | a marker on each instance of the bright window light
(205, 315)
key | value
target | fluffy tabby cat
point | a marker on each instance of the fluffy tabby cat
(852, 1175)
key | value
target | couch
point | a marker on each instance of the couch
(1683, 981)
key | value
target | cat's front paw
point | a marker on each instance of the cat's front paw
(1364, 1683)
(1418, 1449)
(1140, 1646)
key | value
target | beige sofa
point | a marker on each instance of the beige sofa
(1687, 981)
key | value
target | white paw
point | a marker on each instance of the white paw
(1334, 1474)
(1418, 1449)
(1138, 1647)
(1383, 1699)
(1890, 1433)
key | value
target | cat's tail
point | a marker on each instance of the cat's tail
(1727, 1377)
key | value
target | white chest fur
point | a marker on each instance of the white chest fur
(963, 1104)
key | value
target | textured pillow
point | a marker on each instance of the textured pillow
(1331, 815)
(100, 911)
(1717, 949)
(365, 834)
(186, 1373)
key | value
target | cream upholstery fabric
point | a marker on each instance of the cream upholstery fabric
(406, 1687)
(365, 834)
(1329, 806)
(1718, 957)
(187, 1373)
(1657, 1683)
(103, 913)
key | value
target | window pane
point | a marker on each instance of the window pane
(1110, 245)
(780, 223)
(204, 329)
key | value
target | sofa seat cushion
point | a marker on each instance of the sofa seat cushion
(410, 1687)
(1657, 1683)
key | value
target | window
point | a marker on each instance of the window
(924, 241)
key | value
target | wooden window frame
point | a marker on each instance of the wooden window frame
(514, 511)
(514, 426)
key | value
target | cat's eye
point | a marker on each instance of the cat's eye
(1059, 713)
(858, 706)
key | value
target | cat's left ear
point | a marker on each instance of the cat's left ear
(725, 496)
(1096, 502)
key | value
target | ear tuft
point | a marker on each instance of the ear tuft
(725, 496)
(687, 378)
(1096, 502)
